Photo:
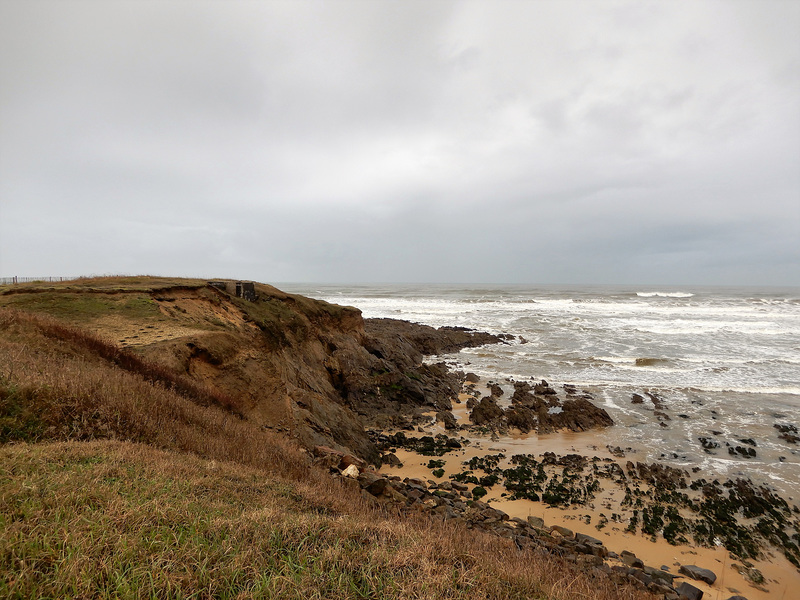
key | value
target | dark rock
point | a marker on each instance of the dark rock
(373, 483)
(495, 390)
(579, 415)
(587, 539)
(686, 591)
(471, 378)
(741, 451)
(785, 428)
(522, 395)
(448, 419)
(658, 403)
(389, 459)
(521, 417)
(708, 443)
(616, 451)
(630, 559)
(698, 573)
(659, 574)
(637, 399)
(537, 522)
(486, 411)
(567, 533)
(543, 389)
(787, 432)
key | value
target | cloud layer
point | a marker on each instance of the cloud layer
(575, 142)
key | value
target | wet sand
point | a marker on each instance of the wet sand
(782, 579)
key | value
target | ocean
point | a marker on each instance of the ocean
(724, 361)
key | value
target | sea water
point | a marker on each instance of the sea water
(724, 361)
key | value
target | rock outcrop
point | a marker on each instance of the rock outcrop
(538, 408)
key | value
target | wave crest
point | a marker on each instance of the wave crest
(664, 294)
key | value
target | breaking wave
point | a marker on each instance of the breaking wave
(664, 294)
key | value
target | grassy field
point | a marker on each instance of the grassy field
(121, 520)
(120, 480)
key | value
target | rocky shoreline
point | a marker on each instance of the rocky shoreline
(456, 502)
(654, 501)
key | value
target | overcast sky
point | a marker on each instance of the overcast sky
(379, 141)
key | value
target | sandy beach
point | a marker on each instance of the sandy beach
(781, 578)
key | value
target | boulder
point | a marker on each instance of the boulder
(373, 483)
(447, 418)
(659, 574)
(686, 591)
(485, 411)
(351, 472)
(587, 539)
(536, 522)
(630, 559)
(327, 457)
(698, 573)
(391, 460)
(563, 531)
(349, 459)
(521, 417)
(471, 378)
(580, 415)
(543, 389)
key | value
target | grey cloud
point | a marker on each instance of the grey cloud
(414, 141)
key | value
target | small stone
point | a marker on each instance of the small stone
(351, 471)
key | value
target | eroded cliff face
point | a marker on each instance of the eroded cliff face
(312, 370)
(315, 371)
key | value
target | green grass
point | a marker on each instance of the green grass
(85, 307)
(112, 519)
(20, 414)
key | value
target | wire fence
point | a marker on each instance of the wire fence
(13, 280)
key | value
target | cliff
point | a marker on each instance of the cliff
(308, 369)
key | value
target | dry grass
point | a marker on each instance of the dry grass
(114, 519)
(183, 500)
(58, 388)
